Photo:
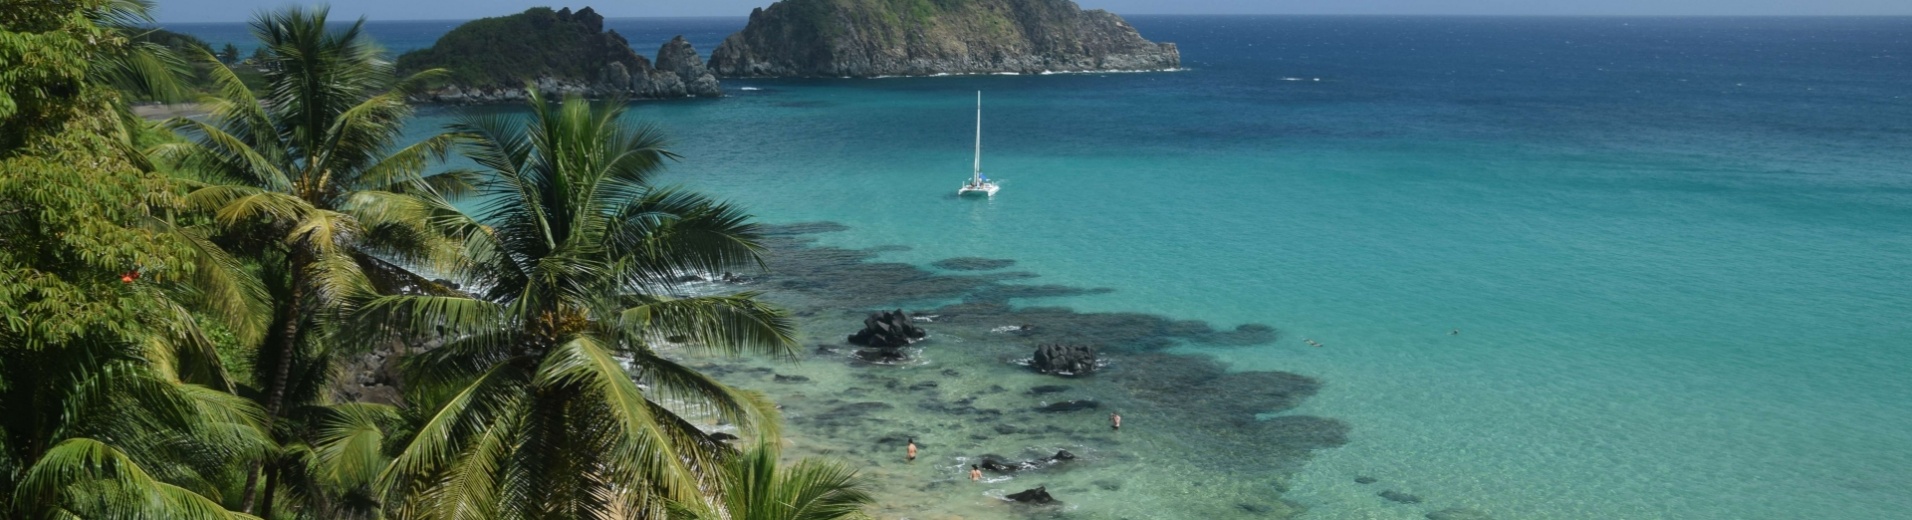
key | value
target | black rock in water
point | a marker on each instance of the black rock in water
(999, 464)
(1038, 495)
(888, 329)
(1070, 406)
(1064, 360)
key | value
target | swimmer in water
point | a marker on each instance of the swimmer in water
(1115, 421)
(912, 449)
(1455, 332)
(975, 473)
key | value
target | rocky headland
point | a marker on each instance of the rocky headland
(559, 53)
(865, 38)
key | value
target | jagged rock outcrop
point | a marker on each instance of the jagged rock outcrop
(679, 59)
(559, 53)
(1064, 360)
(887, 333)
(888, 329)
(855, 38)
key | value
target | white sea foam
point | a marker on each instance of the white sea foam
(749, 89)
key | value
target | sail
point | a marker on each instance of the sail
(978, 175)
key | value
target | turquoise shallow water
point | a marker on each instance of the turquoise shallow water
(1675, 248)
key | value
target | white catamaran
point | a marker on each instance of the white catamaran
(977, 182)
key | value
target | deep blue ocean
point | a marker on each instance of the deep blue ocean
(1675, 250)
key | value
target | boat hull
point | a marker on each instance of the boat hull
(987, 190)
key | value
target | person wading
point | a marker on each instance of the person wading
(1115, 421)
(912, 449)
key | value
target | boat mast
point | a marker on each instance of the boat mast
(978, 175)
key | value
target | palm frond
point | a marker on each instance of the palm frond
(230, 156)
(640, 449)
(757, 488)
(481, 405)
(348, 452)
(89, 478)
(724, 323)
(670, 231)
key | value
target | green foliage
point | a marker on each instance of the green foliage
(307, 181)
(531, 412)
(170, 321)
(100, 289)
(507, 51)
(178, 42)
(756, 487)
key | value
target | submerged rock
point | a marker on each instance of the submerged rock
(1365, 480)
(1070, 406)
(971, 263)
(882, 355)
(1400, 497)
(1458, 513)
(1064, 360)
(1048, 389)
(1039, 495)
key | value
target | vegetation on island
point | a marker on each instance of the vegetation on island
(507, 51)
(865, 38)
(177, 299)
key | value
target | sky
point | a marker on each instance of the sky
(182, 11)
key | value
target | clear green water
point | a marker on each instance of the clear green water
(1676, 251)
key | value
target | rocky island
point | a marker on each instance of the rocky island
(561, 52)
(864, 38)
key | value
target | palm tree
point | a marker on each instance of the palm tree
(308, 182)
(532, 406)
(755, 488)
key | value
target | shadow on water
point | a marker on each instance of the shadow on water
(968, 392)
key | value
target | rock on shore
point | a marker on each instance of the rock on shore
(857, 38)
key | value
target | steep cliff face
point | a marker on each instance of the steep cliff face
(862, 38)
(560, 52)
